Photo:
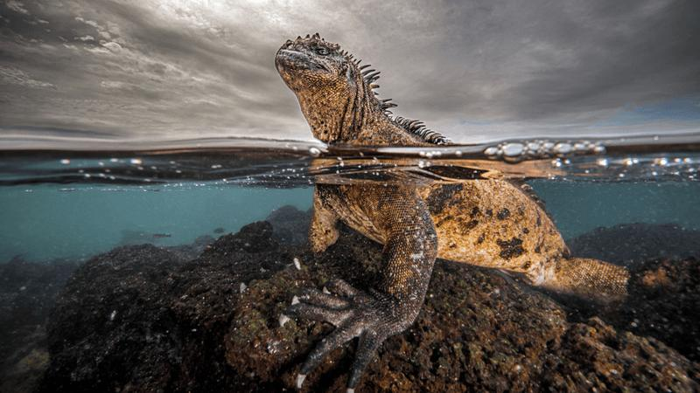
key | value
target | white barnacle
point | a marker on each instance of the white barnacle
(283, 319)
(300, 380)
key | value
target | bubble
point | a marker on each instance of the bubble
(581, 146)
(491, 151)
(136, 161)
(563, 148)
(65, 161)
(602, 162)
(314, 151)
(533, 147)
(512, 149)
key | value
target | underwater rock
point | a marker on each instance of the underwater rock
(27, 294)
(111, 319)
(631, 244)
(291, 225)
(478, 331)
(140, 319)
(664, 300)
(191, 251)
(664, 303)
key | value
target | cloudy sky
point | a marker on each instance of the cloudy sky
(151, 69)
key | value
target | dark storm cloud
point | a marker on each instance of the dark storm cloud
(180, 69)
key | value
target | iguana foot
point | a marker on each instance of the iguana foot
(372, 316)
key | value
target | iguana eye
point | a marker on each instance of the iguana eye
(323, 51)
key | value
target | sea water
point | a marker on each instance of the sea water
(72, 204)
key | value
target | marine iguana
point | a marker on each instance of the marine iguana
(490, 223)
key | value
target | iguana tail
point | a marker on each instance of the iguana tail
(587, 278)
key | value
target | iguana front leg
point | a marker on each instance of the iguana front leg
(374, 315)
(323, 231)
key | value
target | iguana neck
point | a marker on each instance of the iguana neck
(352, 118)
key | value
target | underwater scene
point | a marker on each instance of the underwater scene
(178, 269)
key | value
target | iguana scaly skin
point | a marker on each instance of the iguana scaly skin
(491, 223)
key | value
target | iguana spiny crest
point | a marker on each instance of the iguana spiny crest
(338, 97)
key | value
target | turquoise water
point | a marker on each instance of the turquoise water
(579, 207)
(88, 212)
(49, 221)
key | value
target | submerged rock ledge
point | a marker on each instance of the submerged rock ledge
(147, 319)
(140, 319)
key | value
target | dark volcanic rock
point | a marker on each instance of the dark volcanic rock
(137, 319)
(664, 303)
(291, 225)
(27, 294)
(630, 244)
(191, 251)
(141, 319)
(664, 300)
(112, 316)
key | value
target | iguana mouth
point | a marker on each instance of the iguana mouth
(287, 59)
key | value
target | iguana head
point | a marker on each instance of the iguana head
(337, 97)
(334, 95)
(311, 63)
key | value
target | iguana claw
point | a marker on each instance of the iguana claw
(354, 313)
